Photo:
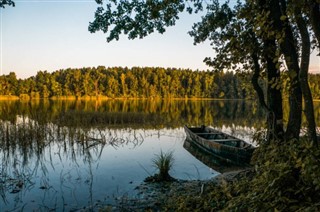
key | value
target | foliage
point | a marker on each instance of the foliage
(137, 18)
(118, 82)
(264, 36)
(286, 178)
(147, 82)
(159, 14)
(3, 3)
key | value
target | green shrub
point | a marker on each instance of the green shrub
(286, 178)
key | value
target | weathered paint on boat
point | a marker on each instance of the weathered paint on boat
(220, 144)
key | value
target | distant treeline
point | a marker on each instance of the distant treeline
(136, 82)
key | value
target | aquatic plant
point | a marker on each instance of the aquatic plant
(163, 162)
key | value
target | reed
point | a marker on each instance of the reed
(163, 163)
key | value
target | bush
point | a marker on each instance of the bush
(286, 178)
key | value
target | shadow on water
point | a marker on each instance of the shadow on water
(211, 161)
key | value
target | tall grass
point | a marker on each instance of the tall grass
(163, 162)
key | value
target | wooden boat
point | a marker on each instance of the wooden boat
(220, 144)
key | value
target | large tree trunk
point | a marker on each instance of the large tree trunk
(261, 96)
(291, 57)
(255, 81)
(275, 103)
(304, 67)
(275, 117)
(274, 97)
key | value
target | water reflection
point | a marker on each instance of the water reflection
(146, 114)
(49, 167)
(210, 160)
(64, 155)
(45, 165)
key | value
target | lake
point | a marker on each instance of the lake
(65, 155)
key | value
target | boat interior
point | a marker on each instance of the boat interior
(220, 137)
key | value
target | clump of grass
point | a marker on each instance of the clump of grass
(163, 163)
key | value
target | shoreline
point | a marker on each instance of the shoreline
(154, 196)
(106, 98)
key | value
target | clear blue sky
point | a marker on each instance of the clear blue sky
(53, 34)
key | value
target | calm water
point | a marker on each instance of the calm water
(65, 155)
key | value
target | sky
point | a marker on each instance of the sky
(49, 35)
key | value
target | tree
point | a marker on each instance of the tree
(304, 66)
(264, 43)
(3, 3)
(11, 84)
(284, 17)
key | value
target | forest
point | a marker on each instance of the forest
(139, 82)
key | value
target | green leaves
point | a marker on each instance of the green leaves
(279, 183)
(287, 178)
(292, 74)
(283, 18)
(3, 3)
(275, 83)
(135, 18)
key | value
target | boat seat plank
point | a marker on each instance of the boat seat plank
(217, 133)
(226, 140)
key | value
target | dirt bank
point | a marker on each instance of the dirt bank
(154, 196)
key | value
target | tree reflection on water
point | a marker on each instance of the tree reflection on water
(51, 151)
(28, 147)
(146, 114)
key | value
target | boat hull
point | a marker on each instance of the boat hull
(229, 148)
(212, 161)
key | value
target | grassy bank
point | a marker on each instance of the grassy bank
(285, 177)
